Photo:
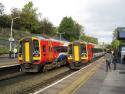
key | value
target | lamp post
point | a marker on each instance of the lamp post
(11, 39)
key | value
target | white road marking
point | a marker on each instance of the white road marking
(61, 80)
(8, 65)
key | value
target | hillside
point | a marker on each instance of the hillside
(17, 34)
(4, 36)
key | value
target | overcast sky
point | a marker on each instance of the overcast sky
(99, 17)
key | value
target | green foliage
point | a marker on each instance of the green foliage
(5, 21)
(29, 18)
(3, 50)
(115, 42)
(89, 39)
(70, 28)
(109, 47)
(46, 27)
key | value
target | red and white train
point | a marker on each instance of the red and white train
(80, 53)
(37, 53)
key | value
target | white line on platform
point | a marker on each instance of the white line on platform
(61, 80)
(8, 66)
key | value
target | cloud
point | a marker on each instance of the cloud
(99, 17)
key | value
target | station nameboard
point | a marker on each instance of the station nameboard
(121, 33)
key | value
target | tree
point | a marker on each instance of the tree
(5, 21)
(70, 28)
(46, 27)
(115, 44)
(29, 18)
(1, 9)
(15, 12)
(115, 41)
(78, 31)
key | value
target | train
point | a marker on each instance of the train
(39, 53)
(81, 53)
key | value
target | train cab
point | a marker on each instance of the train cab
(37, 53)
(77, 54)
(29, 54)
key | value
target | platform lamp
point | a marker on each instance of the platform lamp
(11, 39)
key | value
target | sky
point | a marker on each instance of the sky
(99, 17)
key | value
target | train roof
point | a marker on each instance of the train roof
(47, 38)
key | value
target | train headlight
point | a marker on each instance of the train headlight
(69, 56)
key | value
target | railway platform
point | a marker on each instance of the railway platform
(6, 62)
(105, 82)
(92, 79)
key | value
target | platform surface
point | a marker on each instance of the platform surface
(103, 82)
(7, 62)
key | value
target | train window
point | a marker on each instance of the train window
(60, 49)
(56, 49)
(35, 46)
(44, 48)
(63, 49)
(83, 50)
(20, 47)
(70, 49)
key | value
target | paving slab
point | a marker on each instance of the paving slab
(103, 82)
(115, 81)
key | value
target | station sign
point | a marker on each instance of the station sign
(11, 39)
(121, 33)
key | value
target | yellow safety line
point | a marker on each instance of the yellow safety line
(80, 81)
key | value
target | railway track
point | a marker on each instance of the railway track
(9, 71)
(16, 82)
(23, 83)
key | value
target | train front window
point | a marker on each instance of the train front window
(83, 50)
(20, 47)
(35, 46)
(70, 49)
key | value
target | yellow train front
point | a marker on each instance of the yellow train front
(78, 54)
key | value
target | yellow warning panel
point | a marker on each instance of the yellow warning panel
(76, 53)
(27, 52)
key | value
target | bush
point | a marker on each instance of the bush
(3, 50)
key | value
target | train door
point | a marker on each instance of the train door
(50, 51)
(44, 51)
(90, 53)
(54, 50)
(27, 50)
(76, 52)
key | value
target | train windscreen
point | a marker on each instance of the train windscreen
(20, 47)
(83, 50)
(35, 47)
(70, 49)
